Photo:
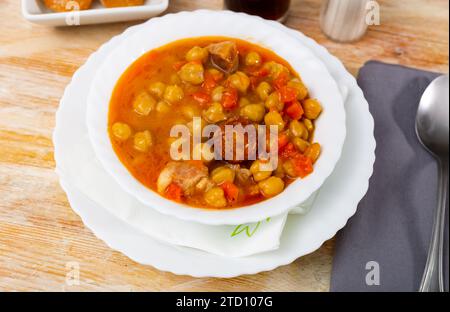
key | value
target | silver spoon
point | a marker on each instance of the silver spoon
(432, 127)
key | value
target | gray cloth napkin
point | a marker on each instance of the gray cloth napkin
(391, 231)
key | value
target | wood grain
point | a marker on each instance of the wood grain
(39, 233)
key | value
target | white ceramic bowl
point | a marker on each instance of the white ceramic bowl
(330, 127)
(36, 12)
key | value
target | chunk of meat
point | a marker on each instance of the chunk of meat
(249, 145)
(224, 56)
(185, 174)
(204, 185)
(243, 176)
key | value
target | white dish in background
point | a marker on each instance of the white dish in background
(35, 11)
(330, 126)
(302, 235)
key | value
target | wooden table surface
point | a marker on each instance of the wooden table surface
(39, 232)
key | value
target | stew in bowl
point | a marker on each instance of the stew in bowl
(162, 102)
(206, 86)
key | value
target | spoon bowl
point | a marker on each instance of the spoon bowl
(432, 123)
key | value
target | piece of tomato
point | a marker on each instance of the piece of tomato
(230, 98)
(174, 192)
(209, 83)
(303, 165)
(287, 94)
(260, 73)
(231, 191)
(280, 81)
(254, 82)
(202, 98)
(294, 110)
(288, 151)
(283, 140)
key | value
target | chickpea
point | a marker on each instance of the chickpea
(222, 174)
(300, 144)
(190, 111)
(308, 124)
(298, 129)
(263, 90)
(253, 59)
(297, 84)
(279, 171)
(157, 89)
(243, 101)
(214, 113)
(254, 112)
(121, 131)
(215, 197)
(173, 94)
(312, 108)
(271, 187)
(216, 94)
(313, 152)
(144, 103)
(274, 118)
(289, 169)
(274, 102)
(192, 73)
(197, 54)
(259, 175)
(215, 73)
(240, 81)
(143, 141)
(163, 107)
(275, 69)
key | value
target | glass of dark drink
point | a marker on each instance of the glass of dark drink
(269, 9)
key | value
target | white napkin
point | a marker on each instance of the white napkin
(80, 168)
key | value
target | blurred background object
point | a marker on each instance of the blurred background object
(270, 9)
(344, 20)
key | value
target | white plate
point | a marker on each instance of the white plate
(35, 11)
(330, 126)
(335, 204)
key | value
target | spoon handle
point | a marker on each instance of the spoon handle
(433, 277)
